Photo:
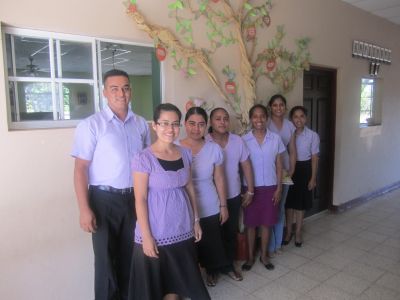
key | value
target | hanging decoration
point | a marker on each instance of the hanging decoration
(161, 53)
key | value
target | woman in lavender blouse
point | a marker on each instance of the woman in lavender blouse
(209, 185)
(285, 129)
(235, 155)
(164, 258)
(265, 148)
(299, 198)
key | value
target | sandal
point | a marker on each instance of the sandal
(247, 265)
(211, 280)
(269, 266)
(235, 275)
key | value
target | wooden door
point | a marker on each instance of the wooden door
(319, 97)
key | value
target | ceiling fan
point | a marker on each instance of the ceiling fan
(31, 68)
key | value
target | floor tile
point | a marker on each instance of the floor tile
(326, 292)
(297, 282)
(348, 283)
(275, 291)
(363, 271)
(251, 281)
(317, 271)
(390, 281)
(375, 292)
(291, 261)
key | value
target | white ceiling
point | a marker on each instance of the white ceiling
(388, 9)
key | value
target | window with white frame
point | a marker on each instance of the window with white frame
(370, 102)
(54, 79)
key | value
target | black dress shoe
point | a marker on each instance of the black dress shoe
(286, 242)
(298, 244)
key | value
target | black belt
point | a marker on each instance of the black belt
(114, 190)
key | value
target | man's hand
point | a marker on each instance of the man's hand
(87, 220)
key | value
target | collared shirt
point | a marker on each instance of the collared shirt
(285, 133)
(235, 152)
(110, 145)
(263, 157)
(307, 144)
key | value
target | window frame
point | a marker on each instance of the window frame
(57, 100)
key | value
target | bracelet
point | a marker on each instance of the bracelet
(250, 193)
(196, 220)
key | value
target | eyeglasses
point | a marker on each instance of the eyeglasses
(166, 124)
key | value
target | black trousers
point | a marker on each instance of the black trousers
(112, 242)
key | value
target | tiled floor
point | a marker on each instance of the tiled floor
(354, 255)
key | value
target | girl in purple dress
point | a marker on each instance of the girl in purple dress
(164, 258)
(265, 148)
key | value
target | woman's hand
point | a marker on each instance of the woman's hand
(224, 214)
(247, 199)
(312, 184)
(277, 196)
(150, 247)
(197, 231)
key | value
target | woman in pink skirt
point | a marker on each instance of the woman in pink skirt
(265, 148)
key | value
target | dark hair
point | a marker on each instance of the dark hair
(114, 72)
(196, 110)
(254, 107)
(210, 129)
(165, 107)
(298, 107)
(275, 97)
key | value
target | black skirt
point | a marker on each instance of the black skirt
(299, 197)
(211, 250)
(175, 271)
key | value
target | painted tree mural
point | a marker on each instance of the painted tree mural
(228, 24)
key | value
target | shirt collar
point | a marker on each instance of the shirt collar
(110, 115)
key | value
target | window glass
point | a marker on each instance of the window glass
(78, 100)
(32, 101)
(76, 60)
(54, 77)
(367, 99)
(31, 56)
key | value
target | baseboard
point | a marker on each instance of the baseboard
(365, 198)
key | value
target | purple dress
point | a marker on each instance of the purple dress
(171, 222)
(169, 208)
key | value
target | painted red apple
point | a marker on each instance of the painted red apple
(189, 104)
(267, 20)
(161, 53)
(270, 65)
(230, 87)
(286, 84)
(215, 1)
(251, 32)
(132, 8)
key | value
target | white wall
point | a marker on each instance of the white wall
(44, 255)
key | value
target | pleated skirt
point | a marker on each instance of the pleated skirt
(175, 272)
(299, 197)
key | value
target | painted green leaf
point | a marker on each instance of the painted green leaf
(133, 1)
(247, 6)
(191, 71)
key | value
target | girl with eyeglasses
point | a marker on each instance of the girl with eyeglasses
(164, 263)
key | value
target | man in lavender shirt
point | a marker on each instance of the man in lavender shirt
(104, 146)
